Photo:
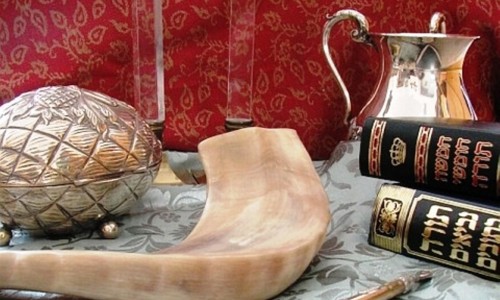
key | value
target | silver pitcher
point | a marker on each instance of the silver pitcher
(421, 73)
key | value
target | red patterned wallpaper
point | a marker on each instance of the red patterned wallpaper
(48, 42)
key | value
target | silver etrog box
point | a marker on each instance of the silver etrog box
(70, 159)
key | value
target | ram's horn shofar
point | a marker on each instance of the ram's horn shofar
(265, 218)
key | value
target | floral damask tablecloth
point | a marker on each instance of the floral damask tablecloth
(345, 264)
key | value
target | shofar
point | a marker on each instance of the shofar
(265, 218)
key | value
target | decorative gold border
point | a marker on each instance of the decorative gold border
(498, 177)
(394, 193)
(375, 147)
(422, 154)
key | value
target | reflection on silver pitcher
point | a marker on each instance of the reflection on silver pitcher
(421, 73)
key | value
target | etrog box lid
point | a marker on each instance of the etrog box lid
(68, 135)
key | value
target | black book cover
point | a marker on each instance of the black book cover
(460, 156)
(439, 228)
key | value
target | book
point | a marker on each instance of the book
(439, 228)
(461, 156)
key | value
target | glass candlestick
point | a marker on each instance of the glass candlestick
(147, 34)
(149, 90)
(241, 62)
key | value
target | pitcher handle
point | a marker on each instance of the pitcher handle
(360, 35)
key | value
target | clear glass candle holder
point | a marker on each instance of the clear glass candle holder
(147, 35)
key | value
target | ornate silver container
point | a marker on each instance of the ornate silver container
(71, 159)
(420, 73)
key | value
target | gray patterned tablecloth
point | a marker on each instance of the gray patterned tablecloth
(344, 265)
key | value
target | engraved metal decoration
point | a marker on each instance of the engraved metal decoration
(70, 159)
(421, 73)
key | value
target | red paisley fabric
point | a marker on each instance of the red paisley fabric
(88, 43)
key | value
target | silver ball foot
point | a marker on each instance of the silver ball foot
(5, 236)
(109, 230)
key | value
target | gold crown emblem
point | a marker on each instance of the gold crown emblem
(398, 152)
